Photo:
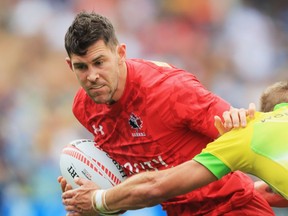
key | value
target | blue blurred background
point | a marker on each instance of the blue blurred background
(235, 47)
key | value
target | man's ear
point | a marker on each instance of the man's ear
(68, 61)
(121, 53)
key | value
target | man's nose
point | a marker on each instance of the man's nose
(92, 75)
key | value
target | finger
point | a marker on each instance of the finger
(79, 181)
(71, 208)
(68, 187)
(68, 194)
(59, 179)
(227, 120)
(236, 117)
(71, 213)
(77, 208)
(219, 125)
(242, 117)
(63, 184)
(261, 186)
(251, 110)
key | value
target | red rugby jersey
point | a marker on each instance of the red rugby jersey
(165, 117)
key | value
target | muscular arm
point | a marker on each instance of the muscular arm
(151, 188)
(141, 190)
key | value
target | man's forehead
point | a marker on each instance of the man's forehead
(93, 53)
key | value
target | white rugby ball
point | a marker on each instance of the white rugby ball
(81, 158)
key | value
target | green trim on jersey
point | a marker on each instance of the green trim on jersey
(259, 149)
(278, 106)
(214, 164)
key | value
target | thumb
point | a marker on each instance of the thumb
(219, 125)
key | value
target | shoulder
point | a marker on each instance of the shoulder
(149, 63)
(160, 73)
(150, 67)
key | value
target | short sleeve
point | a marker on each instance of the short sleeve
(214, 164)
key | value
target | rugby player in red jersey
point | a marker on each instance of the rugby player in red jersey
(151, 115)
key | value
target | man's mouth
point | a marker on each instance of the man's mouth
(93, 88)
(96, 87)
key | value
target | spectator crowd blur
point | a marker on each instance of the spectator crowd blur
(235, 47)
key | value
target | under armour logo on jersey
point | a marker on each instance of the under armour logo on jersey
(98, 130)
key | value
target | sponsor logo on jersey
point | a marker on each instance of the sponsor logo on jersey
(278, 117)
(152, 165)
(136, 123)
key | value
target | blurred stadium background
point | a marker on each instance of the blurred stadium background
(235, 47)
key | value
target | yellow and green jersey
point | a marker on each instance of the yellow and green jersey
(260, 149)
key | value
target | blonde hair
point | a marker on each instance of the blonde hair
(273, 95)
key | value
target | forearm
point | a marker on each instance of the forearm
(151, 188)
(136, 192)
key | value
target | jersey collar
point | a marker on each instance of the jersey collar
(278, 106)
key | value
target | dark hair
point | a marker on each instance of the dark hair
(87, 29)
(273, 95)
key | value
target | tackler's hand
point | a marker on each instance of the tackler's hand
(234, 118)
(274, 199)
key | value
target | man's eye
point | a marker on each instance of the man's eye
(98, 63)
(80, 67)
